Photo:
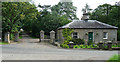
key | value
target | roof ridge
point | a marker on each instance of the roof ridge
(67, 25)
(89, 24)
(106, 24)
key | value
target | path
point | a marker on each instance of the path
(30, 49)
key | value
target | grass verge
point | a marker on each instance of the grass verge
(114, 58)
(2, 43)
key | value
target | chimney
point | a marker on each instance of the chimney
(65, 0)
(85, 16)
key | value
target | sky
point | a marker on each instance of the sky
(77, 3)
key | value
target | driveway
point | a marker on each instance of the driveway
(30, 49)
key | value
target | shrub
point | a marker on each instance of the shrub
(76, 46)
(78, 41)
(118, 45)
(81, 46)
(95, 46)
(114, 58)
(87, 46)
(91, 46)
(114, 45)
(90, 42)
(67, 35)
(64, 45)
(20, 37)
(61, 45)
(11, 36)
(105, 46)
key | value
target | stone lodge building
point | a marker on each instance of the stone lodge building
(89, 30)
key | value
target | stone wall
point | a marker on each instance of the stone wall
(97, 34)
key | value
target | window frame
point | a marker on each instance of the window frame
(105, 35)
(75, 35)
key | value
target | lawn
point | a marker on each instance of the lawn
(2, 43)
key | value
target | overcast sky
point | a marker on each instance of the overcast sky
(78, 3)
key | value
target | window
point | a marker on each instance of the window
(75, 35)
(105, 35)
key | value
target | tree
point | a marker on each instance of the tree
(108, 14)
(86, 9)
(47, 21)
(102, 12)
(17, 15)
(65, 9)
(14, 14)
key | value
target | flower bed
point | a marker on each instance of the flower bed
(113, 46)
(85, 46)
(79, 46)
(105, 47)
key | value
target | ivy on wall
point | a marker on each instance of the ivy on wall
(67, 35)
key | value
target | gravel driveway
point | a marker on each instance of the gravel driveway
(30, 49)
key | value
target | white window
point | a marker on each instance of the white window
(75, 35)
(105, 35)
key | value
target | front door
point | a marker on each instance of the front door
(90, 37)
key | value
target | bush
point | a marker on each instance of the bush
(91, 46)
(11, 36)
(115, 46)
(90, 42)
(87, 46)
(118, 45)
(105, 46)
(114, 58)
(78, 41)
(20, 37)
(64, 45)
(76, 46)
(81, 46)
(67, 35)
(95, 46)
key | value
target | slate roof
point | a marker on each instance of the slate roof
(93, 24)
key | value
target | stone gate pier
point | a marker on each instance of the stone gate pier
(52, 36)
(7, 37)
(41, 35)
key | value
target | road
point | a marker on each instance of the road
(30, 49)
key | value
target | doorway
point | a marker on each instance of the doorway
(90, 37)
